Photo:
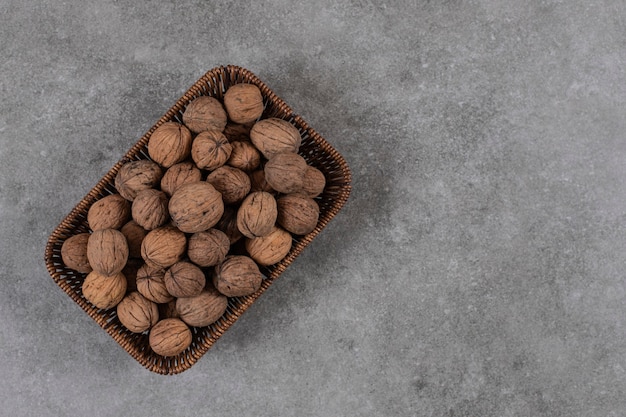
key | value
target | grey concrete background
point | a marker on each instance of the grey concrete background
(477, 270)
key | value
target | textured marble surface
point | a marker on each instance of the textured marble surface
(477, 269)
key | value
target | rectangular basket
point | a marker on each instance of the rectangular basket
(315, 149)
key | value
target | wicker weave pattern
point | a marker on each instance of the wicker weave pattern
(314, 149)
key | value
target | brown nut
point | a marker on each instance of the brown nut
(135, 176)
(271, 248)
(210, 150)
(184, 279)
(151, 284)
(137, 313)
(179, 174)
(228, 224)
(169, 337)
(244, 156)
(273, 135)
(203, 309)
(104, 291)
(205, 113)
(134, 235)
(236, 132)
(74, 253)
(208, 248)
(163, 246)
(237, 276)
(285, 172)
(169, 144)
(107, 251)
(297, 213)
(314, 182)
(258, 183)
(243, 103)
(232, 183)
(110, 212)
(196, 206)
(149, 209)
(257, 214)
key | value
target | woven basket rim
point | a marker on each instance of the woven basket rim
(216, 77)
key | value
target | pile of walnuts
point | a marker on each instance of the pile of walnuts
(222, 193)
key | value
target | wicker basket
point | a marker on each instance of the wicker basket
(314, 149)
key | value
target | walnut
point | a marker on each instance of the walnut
(210, 150)
(298, 213)
(285, 172)
(107, 251)
(104, 291)
(134, 236)
(74, 253)
(179, 174)
(228, 224)
(257, 214)
(272, 136)
(149, 209)
(205, 113)
(151, 284)
(135, 176)
(184, 279)
(196, 206)
(169, 144)
(314, 182)
(168, 310)
(130, 272)
(236, 132)
(163, 246)
(237, 276)
(244, 156)
(243, 103)
(232, 183)
(137, 313)
(258, 183)
(202, 309)
(169, 337)
(271, 248)
(110, 212)
(208, 248)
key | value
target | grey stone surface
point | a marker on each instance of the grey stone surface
(477, 270)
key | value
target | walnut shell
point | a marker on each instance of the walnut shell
(134, 236)
(257, 214)
(110, 212)
(314, 182)
(130, 272)
(297, 213)
(135, 176)
(271, 248)
(273, 135)
(237, 276)
(74, 253)
(203, 309)
(210, 150)
(196, 206)
(163, 246)
(184, 279)
(149, 209)
(169, 144)
(169, 337)
(232, 183)
(228, 224)
(179, 174)
(258, 183)
(244, 156)
(107, 251)
(243, 103)
(208, 248)
(285, 172)
(104, 291)
(235, 132)
(137, 313)
(151, 284)
(205, 113)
